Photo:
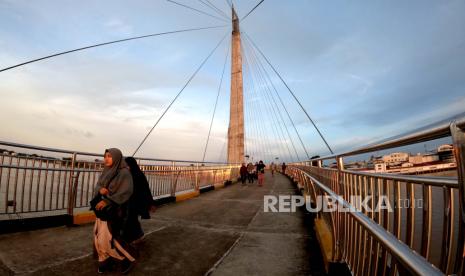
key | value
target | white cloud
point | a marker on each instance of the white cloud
(89, 106)
(117, 26)
(365, 82)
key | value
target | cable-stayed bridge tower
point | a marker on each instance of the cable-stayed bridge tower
(236, 116)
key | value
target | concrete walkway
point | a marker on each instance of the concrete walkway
(222, 232)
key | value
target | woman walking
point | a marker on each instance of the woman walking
(261, 173)
(250, 172)
(283, 167)
(273, 168)
(139, 203)
(243, 173)
(113, 190)
(256, 171)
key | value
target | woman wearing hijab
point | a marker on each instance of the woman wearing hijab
(113, 190)
(261, 173)
(273, 168)
(139, 204)
(250, 172)
(243, 173)
(283, 167)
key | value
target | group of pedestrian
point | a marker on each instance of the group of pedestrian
(122, 195)
(253, 172)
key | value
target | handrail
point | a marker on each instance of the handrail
(33, 186)
(409, 258)
(186, 168)
(448, 182)
(437, 130)
(16, 145)
(438, 182)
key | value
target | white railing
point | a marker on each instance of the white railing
(427, 216)
(32, 185)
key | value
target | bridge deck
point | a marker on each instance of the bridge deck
(224, 232)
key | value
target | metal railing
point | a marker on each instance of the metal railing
(424, 233)
(33, 185)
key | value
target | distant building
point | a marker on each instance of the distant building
(396, 158)
(315, 163)
(358, 165)
(380, 165)
(407, 165)
(446, 147)
(404, 163)
(423, 158)
(446, 153)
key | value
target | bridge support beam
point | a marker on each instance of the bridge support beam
(236, 113)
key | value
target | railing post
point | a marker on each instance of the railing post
(458, 138)
(71, 189)
(173, 178)
(338, 220)
(74, 194)
(340, 168)
(197, 178)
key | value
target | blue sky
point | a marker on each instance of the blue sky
(364, 70)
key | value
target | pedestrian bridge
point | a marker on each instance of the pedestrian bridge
(46, 227)
(226, 231)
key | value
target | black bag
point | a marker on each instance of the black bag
(108, 212)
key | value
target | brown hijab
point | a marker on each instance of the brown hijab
(110, 172)
(117, 178)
